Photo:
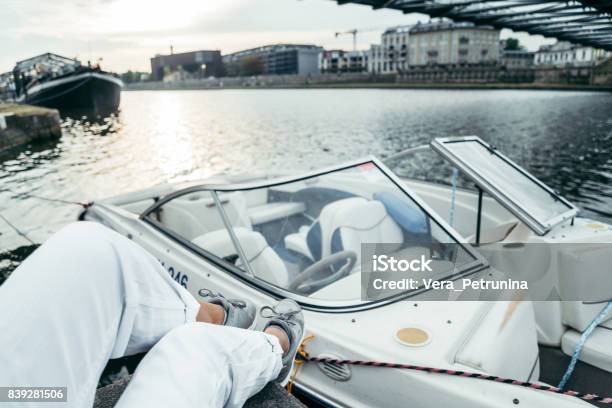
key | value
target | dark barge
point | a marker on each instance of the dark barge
(63, 83)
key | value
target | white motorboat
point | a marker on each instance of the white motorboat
(264, 238)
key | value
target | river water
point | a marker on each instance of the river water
(564, 138)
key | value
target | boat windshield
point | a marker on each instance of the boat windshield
(305, 235)
(422, 163)
(525, 196)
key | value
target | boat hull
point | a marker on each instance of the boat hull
(86, 92)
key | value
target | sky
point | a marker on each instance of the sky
(127, 33)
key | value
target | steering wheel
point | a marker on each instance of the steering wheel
(305, 281)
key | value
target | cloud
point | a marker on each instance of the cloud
(126, 33)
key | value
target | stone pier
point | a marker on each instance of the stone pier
(21, 124)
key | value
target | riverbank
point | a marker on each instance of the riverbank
(175, 86)
(526, 86)
(581, 78)
(349, 81)
(21, 124)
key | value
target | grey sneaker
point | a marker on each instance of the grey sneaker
(238, 313)
(287, 315)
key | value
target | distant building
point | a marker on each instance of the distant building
(375, 59)
(278, 59)
(449, 43)
(433, 43)
(515, 59)
(391, 55)
(338, 61)
(195, 64)
(567, 54)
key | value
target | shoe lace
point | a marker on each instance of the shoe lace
(273, 313)
(241, 304)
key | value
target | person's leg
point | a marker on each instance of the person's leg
(205, 366)
(86, 295)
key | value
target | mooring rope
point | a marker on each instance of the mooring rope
(56, 200)
(53, 200)
(17, 230)
(583, 338)
(305, 357)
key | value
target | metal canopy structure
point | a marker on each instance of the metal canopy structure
(47, 60)
(586, 22)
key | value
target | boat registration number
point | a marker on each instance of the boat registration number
(180, 277)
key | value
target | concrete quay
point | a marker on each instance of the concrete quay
(21, 124)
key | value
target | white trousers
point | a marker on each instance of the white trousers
(88, 294)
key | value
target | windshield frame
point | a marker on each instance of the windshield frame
(540, 228)
(479, 263)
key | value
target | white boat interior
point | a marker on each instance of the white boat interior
(302, 237)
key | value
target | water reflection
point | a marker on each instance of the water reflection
(562, 137)
(89, 115)
(173, 149)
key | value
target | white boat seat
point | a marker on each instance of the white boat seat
(195, 213)
(367, 222)
(596, 351)
(314, 242)
(263, 213)
(297, 242)
(181, 220)
(346, 223)
(264, 261)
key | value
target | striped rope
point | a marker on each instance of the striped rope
(587, 397)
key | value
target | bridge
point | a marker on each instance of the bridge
(586, 22)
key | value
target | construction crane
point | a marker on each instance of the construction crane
(353, 32)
